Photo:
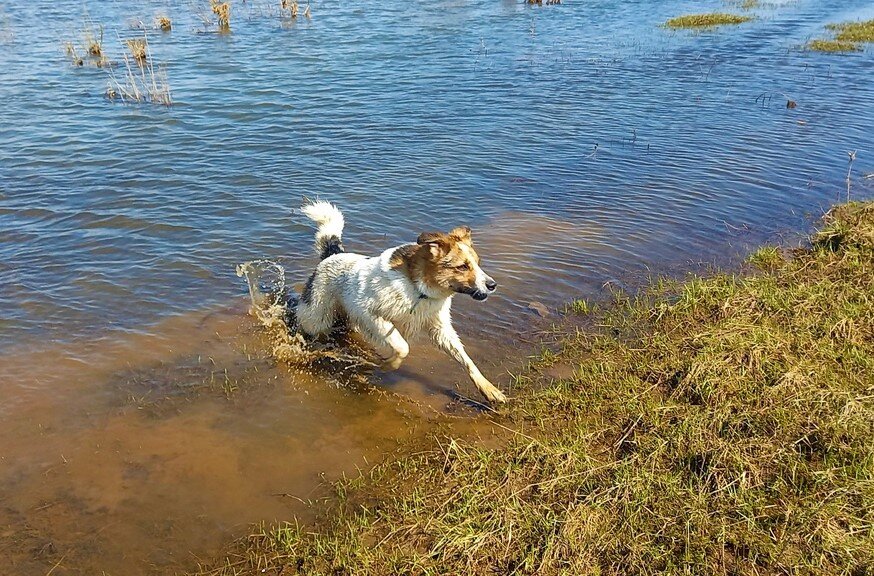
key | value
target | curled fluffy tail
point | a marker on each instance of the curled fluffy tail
(330, 227)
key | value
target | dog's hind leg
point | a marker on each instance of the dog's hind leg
(382, 335)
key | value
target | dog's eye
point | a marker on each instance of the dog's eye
(464, 266)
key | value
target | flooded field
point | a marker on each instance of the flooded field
(142, 421)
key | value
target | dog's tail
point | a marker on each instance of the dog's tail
(330, 227)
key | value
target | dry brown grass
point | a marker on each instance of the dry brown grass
(140, 82)
(164, 23)
(222, 10)
(138, 48)
(89, 49)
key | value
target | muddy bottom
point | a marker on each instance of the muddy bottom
(146, 454)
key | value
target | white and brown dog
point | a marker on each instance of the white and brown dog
(403, 292)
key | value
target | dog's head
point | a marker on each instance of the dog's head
(452, 264)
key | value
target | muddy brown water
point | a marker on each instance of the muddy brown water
(152, 451)
(142, 423)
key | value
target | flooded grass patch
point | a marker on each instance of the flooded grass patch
(833, 46)
(711, 20)
(848, 36)
(716, 425)
(89, 48)
(854, 31)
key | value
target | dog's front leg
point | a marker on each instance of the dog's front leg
(383, 336)
(447, 339)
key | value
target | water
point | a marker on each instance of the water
(583, 144)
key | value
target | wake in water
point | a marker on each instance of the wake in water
(273, 305)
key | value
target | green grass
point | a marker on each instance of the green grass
(848, 35)
(706, 20)
(721, 425)
(766, 258)
(580, 307)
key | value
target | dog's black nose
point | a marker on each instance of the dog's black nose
(491, 285)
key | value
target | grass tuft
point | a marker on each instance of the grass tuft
(164, 23)
(222, 10)
(90, 48)
(706, 20)
(766, 258)
(579, 306)
(718, 426)
(141, 83)
(138, 48)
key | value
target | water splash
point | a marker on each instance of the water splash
(273, 305)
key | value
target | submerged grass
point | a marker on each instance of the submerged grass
(717, 426)
(706, 20)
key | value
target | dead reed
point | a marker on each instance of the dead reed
(222, 10)
(291, 9)
(164, 23)
(138, 48)
(140, 82)
(89, 49)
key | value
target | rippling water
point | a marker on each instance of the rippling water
(582, 142)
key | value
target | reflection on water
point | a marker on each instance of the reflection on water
(142, 422)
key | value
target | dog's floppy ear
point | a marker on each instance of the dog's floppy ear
(437, 242)
(461, 234)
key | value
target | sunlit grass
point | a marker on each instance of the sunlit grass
(848, 36)
(719, 425)
(854, 31)
(833, 46)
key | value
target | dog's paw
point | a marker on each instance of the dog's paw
(393, 363)
(492, 394)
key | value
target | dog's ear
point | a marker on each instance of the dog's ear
(437, 242)
(461, 234)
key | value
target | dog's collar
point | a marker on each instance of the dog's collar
(418, 300)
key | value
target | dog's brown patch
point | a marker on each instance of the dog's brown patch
(442, 261)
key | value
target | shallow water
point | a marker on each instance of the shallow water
(582, 142)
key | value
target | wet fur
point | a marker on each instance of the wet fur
(401, 293)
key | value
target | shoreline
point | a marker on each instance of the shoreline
(717, 424)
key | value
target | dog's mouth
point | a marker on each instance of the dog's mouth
(474, 293)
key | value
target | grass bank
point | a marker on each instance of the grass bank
(721, 425)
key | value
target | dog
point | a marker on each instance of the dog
(403, 292)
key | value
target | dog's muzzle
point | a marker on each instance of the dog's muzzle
(478, 294)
